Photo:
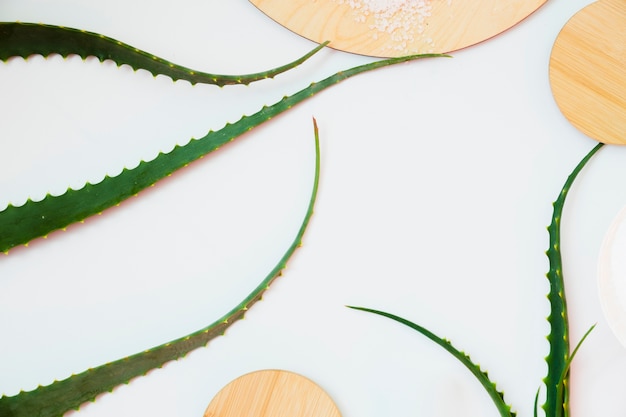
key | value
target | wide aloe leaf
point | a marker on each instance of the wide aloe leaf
(25, 39)
(21, 224)
(496, 396)
(62, 396)
(558, 359)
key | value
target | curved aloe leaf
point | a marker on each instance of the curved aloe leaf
(559, 359)
(536, 403)
(62, 396)
(21, 224)
(496, 396)
(25, 39)
(561, 399)
(562, 393)
(556, 381)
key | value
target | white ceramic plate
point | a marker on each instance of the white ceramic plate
(612, 276)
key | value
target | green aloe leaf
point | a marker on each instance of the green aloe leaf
(21, 224)
(62, 396)
(558, 359)
(496, 396)
(26, 39)
(562, 392)
(561, 399)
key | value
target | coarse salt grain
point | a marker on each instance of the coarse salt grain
(401, 20)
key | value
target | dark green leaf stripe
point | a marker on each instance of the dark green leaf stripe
(62, 396)
(26, 39)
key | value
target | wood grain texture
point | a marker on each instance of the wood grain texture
(272, 393)
(403, 27)
(588, 71)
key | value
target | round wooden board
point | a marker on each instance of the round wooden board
(272, 393)
(391, 28)
(588, 71)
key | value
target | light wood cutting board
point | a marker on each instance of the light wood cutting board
(387, 28)
(272, 393)
(588, 71)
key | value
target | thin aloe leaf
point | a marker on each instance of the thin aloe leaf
(560, 397)
(557, 359)
(62, 396)
(562, 393)
(21, 224)
(536, 403)
(26, 39)
(496, 396)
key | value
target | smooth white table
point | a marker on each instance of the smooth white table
(436, 190)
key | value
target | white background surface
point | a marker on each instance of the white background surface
(436, 190)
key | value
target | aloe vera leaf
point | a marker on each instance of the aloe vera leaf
(26, 39)
(21, 224)
(496, 396)
(562, 393)
(557, 359)
(61, 396)
(561, 399)
(536, 403)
